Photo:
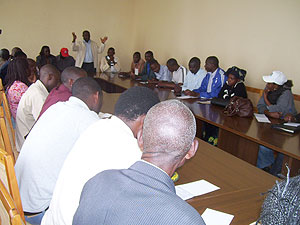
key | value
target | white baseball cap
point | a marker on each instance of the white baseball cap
(276, 77)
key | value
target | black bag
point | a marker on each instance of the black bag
(219, 101)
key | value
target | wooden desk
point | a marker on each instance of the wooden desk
(241, 184)
(238, 136)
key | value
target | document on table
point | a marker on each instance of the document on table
(292, 124)
(186, 97)
(261, 118)
(190, 190)
(212, 217)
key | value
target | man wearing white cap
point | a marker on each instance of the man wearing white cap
(277, 101)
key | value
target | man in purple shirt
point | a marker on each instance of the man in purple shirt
(62, 93)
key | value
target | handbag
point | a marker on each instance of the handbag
(219, 102)
(239, 106)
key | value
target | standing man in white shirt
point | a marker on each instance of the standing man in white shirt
(107, 144)
(49, 142)
(195, 75)
(33, 100)
(87, 52)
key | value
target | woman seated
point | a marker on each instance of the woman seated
(234, 85)
(16, 83)
(45, 57)
(33, 75)
(276, 102)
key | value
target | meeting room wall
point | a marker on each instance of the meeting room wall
(30, 24)
(257, 35)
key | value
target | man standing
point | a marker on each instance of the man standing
(145, 193)
(32, 101)
(49, 143)
(88, 50)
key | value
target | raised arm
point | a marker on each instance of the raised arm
(75, 47)
(102, 45)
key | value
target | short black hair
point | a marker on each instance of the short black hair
(84, 87)
(149, 52)
(214, 60)
(85, 31)
(135, 102)
(153, 61)
(195, 60)
(138, 54)
(172, 62)
(20, 54)
(71, 72)
(111, 48)
(4, 53)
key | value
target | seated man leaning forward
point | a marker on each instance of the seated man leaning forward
(32, 101)
(145, 193)
(161, 71)
(136, 67)
(63, 92)
(212, 82)
(108, 144)
(49, 143)
(194, 76)
(178, 74)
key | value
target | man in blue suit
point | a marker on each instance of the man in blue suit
(145, 193)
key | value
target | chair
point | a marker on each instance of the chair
(6, 141)
(8, 211)
(8, 178)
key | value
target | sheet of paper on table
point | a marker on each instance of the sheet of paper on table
(292, 124)
(261, 118)
(196, 188)
(186, 97)
(213, 217)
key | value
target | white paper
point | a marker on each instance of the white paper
(254, 223)
(136, 71)
(186, 97)
(262, 118)
(189, 190)
(292, 124)
(213, 217)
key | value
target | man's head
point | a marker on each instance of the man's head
(14, 50)
(86, 35)
(149, 56)
(20, 54)
(70, 75)
(136, 57)
(89, 91)
(4, 54)
(111, 52)
(172, 65)
(211, 64)
(45, 51)
(194, 65)
(155, 66)
(168, 137)
(133, 105)
(49, 76)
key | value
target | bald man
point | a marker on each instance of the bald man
(145, 193)
(32, 101)
(62, 93)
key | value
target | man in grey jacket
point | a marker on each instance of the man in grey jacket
(145, 193)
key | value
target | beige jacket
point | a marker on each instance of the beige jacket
(104, 67)
(80, 48)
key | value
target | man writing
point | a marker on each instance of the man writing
(87, 52)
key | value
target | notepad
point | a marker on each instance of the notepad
(261, 118)
(292, 124)
(196, 188)
(213, 217)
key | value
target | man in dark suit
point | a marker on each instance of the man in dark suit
(145, 193)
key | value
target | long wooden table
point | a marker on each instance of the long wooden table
(241, 184)
(238, 136)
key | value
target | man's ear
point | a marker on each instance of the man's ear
(139, 137)
(192, 150)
